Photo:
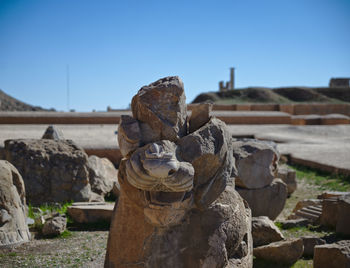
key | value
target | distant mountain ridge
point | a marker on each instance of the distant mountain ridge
(277, 95)
(8, 103)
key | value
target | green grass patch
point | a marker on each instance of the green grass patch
(48, 209)
(65, 234)
(324, 180)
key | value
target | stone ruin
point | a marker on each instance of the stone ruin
(177, 205)
(13, 210)
(55, 169)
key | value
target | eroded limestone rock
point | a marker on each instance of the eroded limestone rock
(264, 231)
(103, 176)
(13, 226)
(267, 201)
(52, 170)
(177, 205)
(256, 163)
(53, 133)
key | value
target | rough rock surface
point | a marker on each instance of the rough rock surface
(177, 205)
(200, 116)
(332, 255)
(53, 133)
(162, 106)
(256, 163)
(86, 212)
(55, 226)
(288, 176)
(343, 220)
(13, 226)
(264, 231)
(268, 201)
(52, 170)
(309, 244)
(102, 175)
(283, 252)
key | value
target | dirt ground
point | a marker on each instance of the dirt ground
(81, 249)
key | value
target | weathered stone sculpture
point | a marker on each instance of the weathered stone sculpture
(13, 226)
(177, 205)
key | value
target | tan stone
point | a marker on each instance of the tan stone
(268, 201)
(264, 231)
(288, 176)
(200, 116)
(283, 252)
(256, 163)
(85, 212)
(13, 211)
(332, 255)
(162, 105)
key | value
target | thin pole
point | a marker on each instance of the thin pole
(68, 87)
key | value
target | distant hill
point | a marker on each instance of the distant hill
(8, 103)
(276, 95)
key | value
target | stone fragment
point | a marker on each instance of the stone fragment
(200, 116)
(53, 133)
(288, 176)
(85, 212)
(256, 163)
(331, 194)
(52, 170)
(283, 252)
(332, 255)
(209, 151)
(309, 244)
(307, 202)
(162, 105)
(329, 216)
(102, 175)
(288, 224)
(343, 219)
(264, 231)
(129, 135)
(55, 226)
(13, 223)
(268, 201)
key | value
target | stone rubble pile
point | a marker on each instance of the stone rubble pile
(256, 180)
(58, 170)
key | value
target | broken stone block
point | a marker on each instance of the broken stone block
(129, 135)
(209, 151)
(102, 175)
(55, 226)
(332, 255)
(52, 170)
(13, 224)
(282, 252)
(162, 105)
(268, 201)
(90, 212)
(53, 133)
(200, 116)
(309, 244)
(256, 163)
(264, 231)
(343, 219)
(288, 176)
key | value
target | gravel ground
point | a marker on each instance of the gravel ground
(82, 249)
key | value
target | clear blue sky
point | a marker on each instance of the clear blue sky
(115, 47)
